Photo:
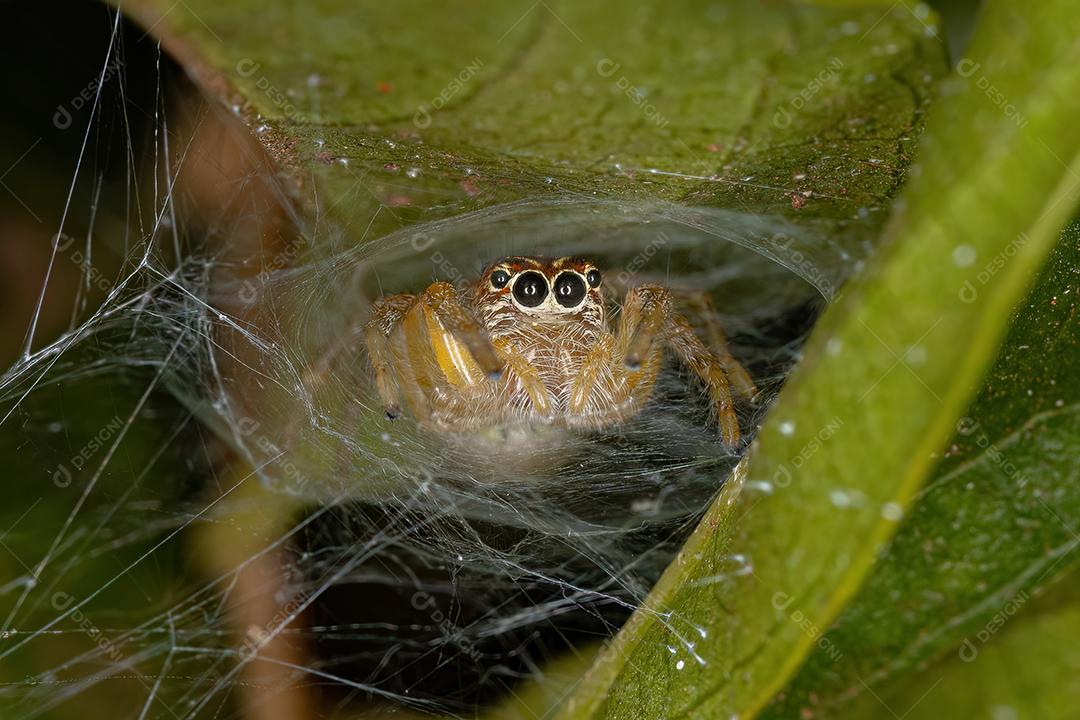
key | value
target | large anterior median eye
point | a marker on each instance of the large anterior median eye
(569, 289)
(530, 288)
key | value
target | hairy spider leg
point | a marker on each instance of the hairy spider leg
(422, 350)
(657, 323)
(452, 326)
(386, 316)
(609, 389)
(740, 380)
(691, 351)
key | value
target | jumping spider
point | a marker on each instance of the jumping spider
(529, 342)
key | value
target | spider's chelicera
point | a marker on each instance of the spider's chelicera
(529, 341)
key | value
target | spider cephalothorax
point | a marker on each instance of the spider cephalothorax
(565, 290)
(530, 342)
(541, 308)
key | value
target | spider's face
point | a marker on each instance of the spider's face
(561, 290)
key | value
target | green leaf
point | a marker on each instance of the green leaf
(887, 374)
(801, 119)
(1026, 668)
(381, 118)
(538, 695)
(996, 522)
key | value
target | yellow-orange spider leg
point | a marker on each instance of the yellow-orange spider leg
(740, 380)
(657, 322)
(426, 349)
(688, 347)
(606, 391)
(386, 316)
(441, 299)
(610, 388)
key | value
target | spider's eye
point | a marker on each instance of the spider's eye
(593, 276)
(530, 288)
(499, 278)
(569, 289)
